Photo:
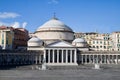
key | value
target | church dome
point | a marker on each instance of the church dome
(54, 30)
(80, 42)
(54, 24)
(34, 41)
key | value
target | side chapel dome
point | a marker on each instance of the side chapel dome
(34, 41)
(79, 42)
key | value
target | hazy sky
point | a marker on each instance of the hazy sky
(81, 15)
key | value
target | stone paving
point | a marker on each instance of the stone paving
(111, 72)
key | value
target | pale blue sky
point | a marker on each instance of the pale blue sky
(80, 15)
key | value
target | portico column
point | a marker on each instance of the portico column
(85, 59)
(89, 58)
(44, 56)
(57, 56)
(104, 59)
(36, 59)
(49, 56)
(75, 58)
(82, 59)
(93, 59)
(101, 59)
(108, 59)
(66, 56)
(116, 59)
(62, 56)
(70, 56)
(97, 58)
(53, 57)
(112, 59)
(39, 59)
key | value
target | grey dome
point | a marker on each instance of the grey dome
(54, 23)
(54, 30)
(80, 40)
(34, 41)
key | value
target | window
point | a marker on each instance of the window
(104, 47)
(118, 45)
(104, 43)
(97, 46)
(118, 35)
(97, 42)
(118, 40)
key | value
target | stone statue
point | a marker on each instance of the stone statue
(43, 64)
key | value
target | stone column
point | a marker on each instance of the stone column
(112, 59)
(39, 59)
(48, 56)
(108, 59)
(75, 58)
(35, 59)
(44, 56)
(90, 58)
(85, 59)
(57, 56)
(116, 59)
(62, 56)
(70, 56)
(105, 59)
(53, 56)
(66, 56)
(101, 59)
(82, 59)
(93, 59)
(97, 59)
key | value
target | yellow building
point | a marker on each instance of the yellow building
(6, 38)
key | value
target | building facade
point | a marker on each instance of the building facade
(58, 46)
(6, 38)
(12, 38)
(101, 42)
(115, 36)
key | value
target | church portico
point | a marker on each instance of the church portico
(60, 56)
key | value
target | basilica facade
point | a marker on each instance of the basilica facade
(58, 46)
(56, 41)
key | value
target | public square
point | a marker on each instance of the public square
(82, 72)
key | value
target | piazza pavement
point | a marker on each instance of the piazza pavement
(81, 72)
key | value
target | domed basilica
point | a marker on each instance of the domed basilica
(56, 41)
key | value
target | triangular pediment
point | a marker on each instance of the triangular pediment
(60, 44)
